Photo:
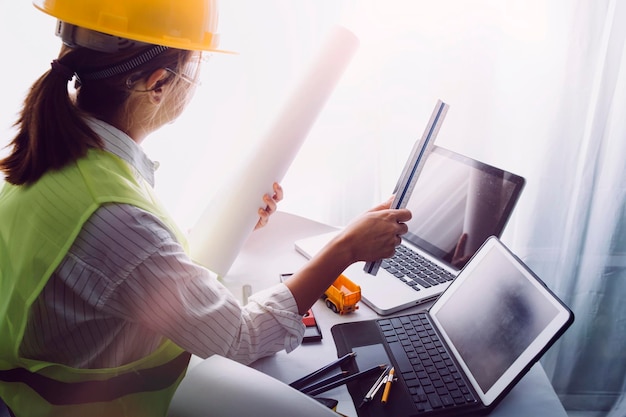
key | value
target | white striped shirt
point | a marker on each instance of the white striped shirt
(126, 284)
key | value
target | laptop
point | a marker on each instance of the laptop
(468, 350)
(457, 203)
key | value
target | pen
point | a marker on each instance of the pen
(372, 392)
(323, 382)
(387, 386)
(310, 377)
(347, 379)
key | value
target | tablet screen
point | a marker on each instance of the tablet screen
(497, 317)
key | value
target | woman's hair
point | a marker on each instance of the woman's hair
(51, 127)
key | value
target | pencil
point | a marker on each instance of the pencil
(302, 382)
(347, 379)
(387, 386)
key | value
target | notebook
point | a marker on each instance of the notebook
(469, 349)
(457, 203)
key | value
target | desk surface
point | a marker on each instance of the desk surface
(270, 252)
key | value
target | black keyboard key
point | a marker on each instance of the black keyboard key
(448, 379)
(396, 323)
(429, 389)
(447, 401)
(459, 400)
(434, 401)
(412, 383)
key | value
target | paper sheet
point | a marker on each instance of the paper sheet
(226, 223)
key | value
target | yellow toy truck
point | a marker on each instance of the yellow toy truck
(342, 297)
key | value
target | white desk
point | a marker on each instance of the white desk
(270, 251)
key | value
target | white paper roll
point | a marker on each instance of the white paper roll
(226, 223)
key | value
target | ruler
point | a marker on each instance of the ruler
(414, 166)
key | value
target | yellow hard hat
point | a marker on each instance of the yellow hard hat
(182, 24)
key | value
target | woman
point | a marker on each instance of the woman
(100, 304)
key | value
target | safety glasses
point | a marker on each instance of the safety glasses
(190, 71)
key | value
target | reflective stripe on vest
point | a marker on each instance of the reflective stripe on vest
(68, 393)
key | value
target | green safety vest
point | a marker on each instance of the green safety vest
(38, 224)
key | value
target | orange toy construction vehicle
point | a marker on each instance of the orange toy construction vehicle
(342, 297)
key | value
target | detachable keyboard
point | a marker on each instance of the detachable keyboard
(424, 363)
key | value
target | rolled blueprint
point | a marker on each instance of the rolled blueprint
(228, 220)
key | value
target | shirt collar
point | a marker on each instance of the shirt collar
(120, 144)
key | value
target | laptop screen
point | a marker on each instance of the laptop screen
(497, 317)
(457, 203)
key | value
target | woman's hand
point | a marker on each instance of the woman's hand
(271, 203)
(372, 236)
(375, 234)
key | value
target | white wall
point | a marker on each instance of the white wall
(499, 64)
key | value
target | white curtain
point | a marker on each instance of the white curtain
(536, 87)
(577, 236)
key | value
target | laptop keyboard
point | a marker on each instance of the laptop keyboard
(429, 373)
(415, 270)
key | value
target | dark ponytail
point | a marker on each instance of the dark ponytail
(52, 131)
